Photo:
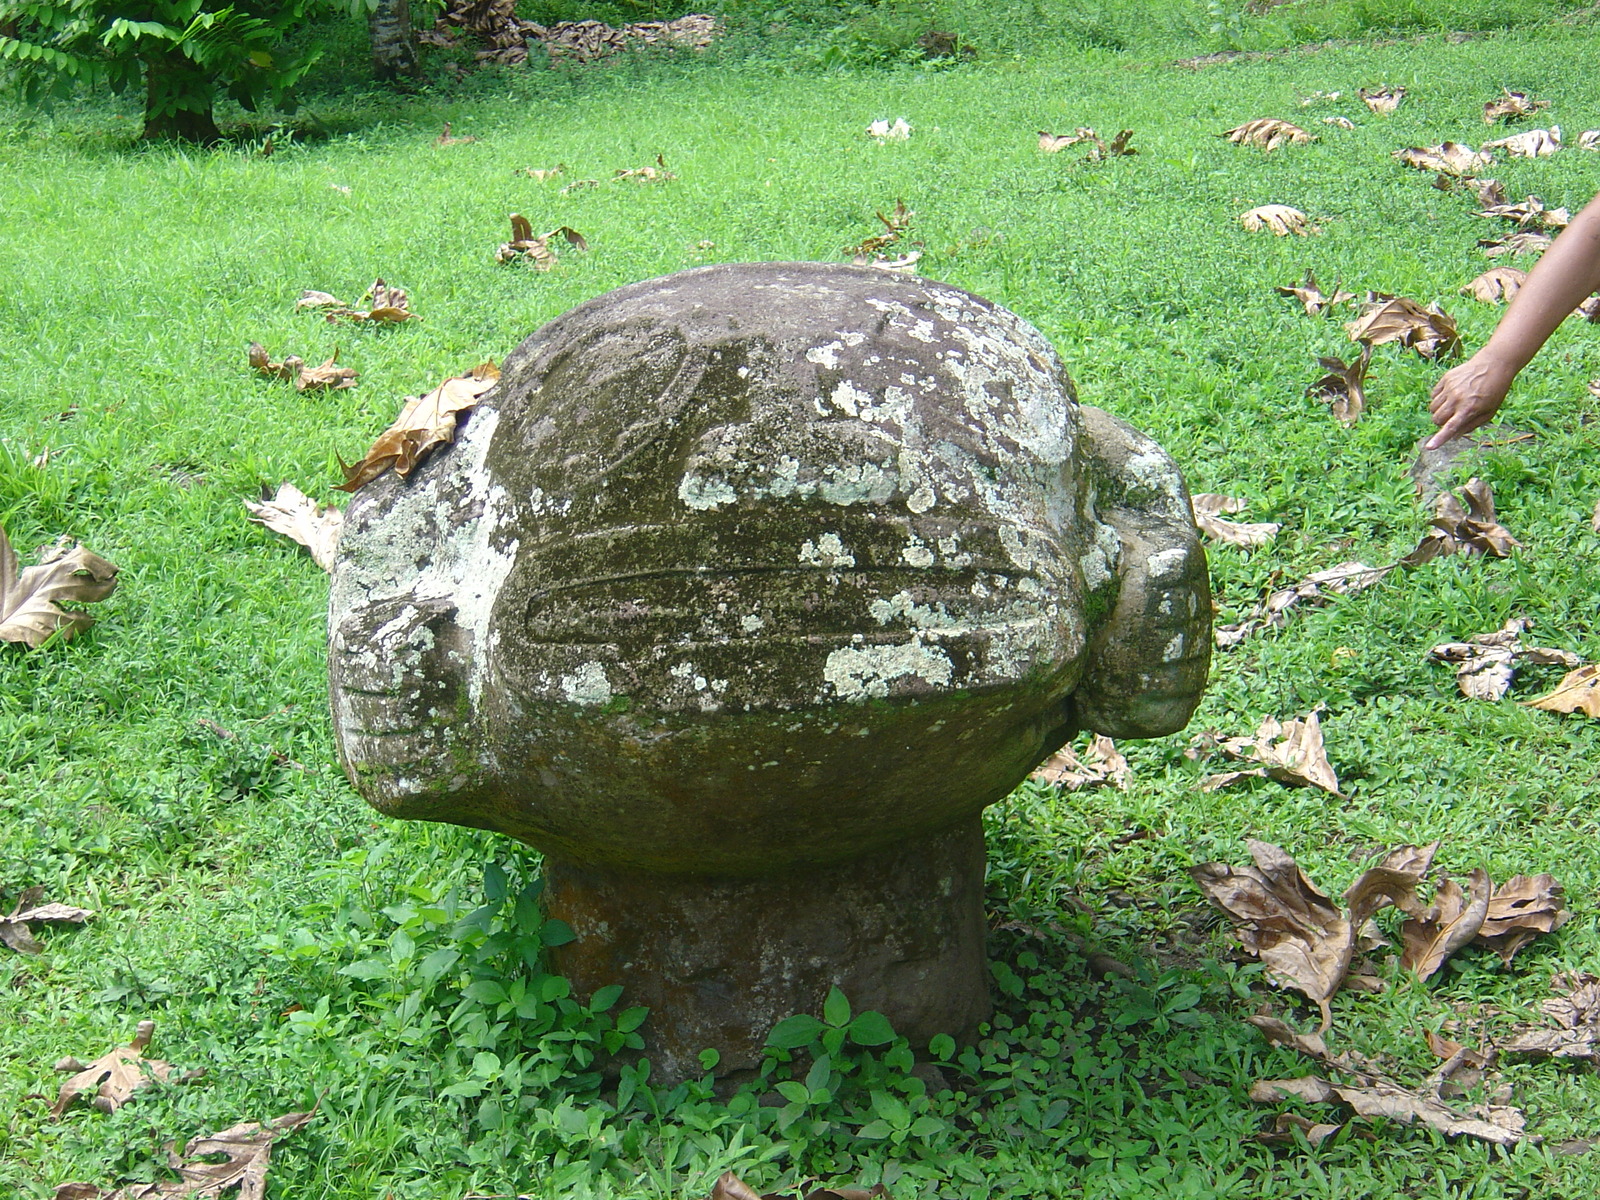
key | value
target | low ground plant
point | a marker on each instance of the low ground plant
(173, 769)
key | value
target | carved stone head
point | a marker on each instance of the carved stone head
(761, 565)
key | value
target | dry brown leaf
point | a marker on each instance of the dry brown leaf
(647, 174)
(1515, 243)
(730, 1187)
(1589, 139)
(1454, 920)
(1302, 937)
(895, 225)
(542, 173)
(14, 930)
(1285, 1126)
(1430, 331)
(1208, 506)
(1310, 295)
(1594, 521)
(1268, 133)
(1486, 662)
(112, 1077)
(1471, 530)
(1529, 213)
(1290, 752)
(295, 515)
(1447, 158)
(1279, 218)
(525, 247)
(446, 138)
(1531, 143)
(1520, 909)
(425, 422)
(885, 132)
(1511, 106)
(387, 305)
(1576, 1010)
(1102, 764)
(906, 264)
(1339, 122)
(1343, 388)
(327, 376)
(1280, 1033)
(1382, 100)
(313, 299)
(30, 599)
(1496, 284)
(1497, 1124)
(1579, 691)
(246, 1153)
(1119, 147)
(1054, 143)
(1342, 580)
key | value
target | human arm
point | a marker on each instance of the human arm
(1466, 396)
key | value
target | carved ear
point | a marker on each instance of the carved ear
(1147, 664)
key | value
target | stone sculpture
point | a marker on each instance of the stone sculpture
(740, 597)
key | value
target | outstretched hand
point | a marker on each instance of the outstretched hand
(1467, 396)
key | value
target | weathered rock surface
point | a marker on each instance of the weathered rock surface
(751, 572)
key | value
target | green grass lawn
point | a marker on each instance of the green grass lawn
(238, 879)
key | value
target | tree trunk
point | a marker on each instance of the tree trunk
(191, 120)
(394, 40)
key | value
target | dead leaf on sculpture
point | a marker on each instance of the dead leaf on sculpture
(1529, 214)
(1579, 692)
(1495, 285)
(647, 174)
(1531, 143)
(1511, 106)
(1343, 388)
(1430, 331)
(15, 931)
(114, 1076)
(1311, 296)
(542, 173)
(895, 225)
(1208, 507)
(31, 598)
(329, 375)
(1486, 662)
(245, 1151)
(1472, 529)
(1268, 133)
(1522, 242)
(1520, 909)
(525, 247)
(1382, 100)
(1306, 940)
(386, 305)
(1291, 752)
(425, 422)
(1447, 158)
(1450, 923)
(1316, 588)
(1102, 764)
(1279, 218)
(1497, 1124)
(295, 515)
(1575, 1008)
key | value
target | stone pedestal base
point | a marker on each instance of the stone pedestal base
(719, 961)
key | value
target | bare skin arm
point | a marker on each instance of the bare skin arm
(1468, 395)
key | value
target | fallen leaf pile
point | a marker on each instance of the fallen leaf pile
(245, 1151)
(113, 1077)
(1343, 388)
(525, 247)
(1430, 331)
(388, 305)
(1101, 765)
(508, 39)
(1486, 662)
(425, 422)
(1504, 919)
(1472, 529)
(31, 598)
(1311, 296)
(730, 1187)
(1268, 133)
(1290, 752)
(15, 931)
(1279, 218)
(305, 379)
(295, 515)
(1208, 507)
(1511, 106)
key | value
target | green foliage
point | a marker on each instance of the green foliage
(183, 53)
